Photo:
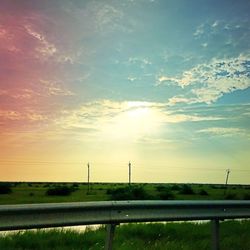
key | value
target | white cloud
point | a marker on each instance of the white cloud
(186, 79)
(142, 62)
(121, 117)
(131, 79)
(224, 131)
(209, 29)
(199, 31)
(177, 118)
(181, 99)
(215, 24)
(212, 80)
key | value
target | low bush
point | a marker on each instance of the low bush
(164, 192)
(175, 187)
(203, 192)
(161, 188)
(166, 195)
(5, 188)
(230, 196)
(128, 193)
(246, 196)
(60, 190)
(75, 186)
(186, 189)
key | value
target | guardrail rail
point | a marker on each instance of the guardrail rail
(112, 213)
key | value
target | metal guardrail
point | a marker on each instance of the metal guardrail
(13, 217)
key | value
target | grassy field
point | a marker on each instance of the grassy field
(235, 235)
(186, 236)
(22, 193)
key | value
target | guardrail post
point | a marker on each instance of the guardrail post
(215, 234)
(110, 235)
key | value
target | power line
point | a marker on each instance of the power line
(39, 162)
(118, 165)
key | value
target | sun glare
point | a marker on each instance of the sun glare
(137, 121)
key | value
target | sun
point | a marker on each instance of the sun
(139, 119)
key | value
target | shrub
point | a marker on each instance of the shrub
(128, 193)
(139, 193)
(5, 188)
(203, 192)
(161, 188)
(230, 196)
(166, 195)
(75, 185)
(109, 191)
(186, 189)
(60, 190)
(246, 197)
(217, 186)
(175, 187)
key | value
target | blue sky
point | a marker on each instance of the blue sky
(163, 84)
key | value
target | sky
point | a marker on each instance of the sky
(163, 84)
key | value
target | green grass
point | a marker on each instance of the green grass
(36, 192)
(153, 236)
(172, 236)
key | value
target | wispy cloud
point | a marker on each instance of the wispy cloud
(178, 118)
(44, 48)
(54, 88)
(199, 30)
(210, 28)
(46, 88)
(225, 131)
(19, 93)
(25, 114)
(106, 16)
(10, 115)
(94, 116)
(142, 62)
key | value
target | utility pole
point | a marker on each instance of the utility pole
(228, 172)
(129, 173)
(88, 177)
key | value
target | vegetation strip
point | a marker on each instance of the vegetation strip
(158, 236)
(21, 193)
